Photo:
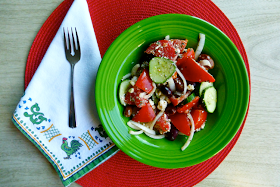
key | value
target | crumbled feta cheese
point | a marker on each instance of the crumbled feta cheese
(162, 104)
(190, 87)
(152, 104)
(142, 95)
(164, 97)
(131, 90)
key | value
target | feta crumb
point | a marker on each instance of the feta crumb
(131, 90)
(164, 97)
(162, 104)
(142, 95)
(152, 104)
(190, 87)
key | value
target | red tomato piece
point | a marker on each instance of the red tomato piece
(174, 76)
(144, 82)
(192, 71)
(145, 114)
(162, 124)
(176, 100)
(179, 44)
(189, 53)
(199, 117)
(185, 108)
(181, 122)
(163, 48)
(134, 98)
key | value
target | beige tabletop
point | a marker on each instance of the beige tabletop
(255, 159)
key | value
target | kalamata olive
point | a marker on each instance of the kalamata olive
(166, 91)
(179, 84)
(207, 65)
(135, 109)
(128, 111)
(147, 57)
(170, 110)
(172, 134)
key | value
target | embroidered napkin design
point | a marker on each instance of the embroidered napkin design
(43, 111)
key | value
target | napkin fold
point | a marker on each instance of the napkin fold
(43, 111)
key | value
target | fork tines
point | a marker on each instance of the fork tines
(67, 41)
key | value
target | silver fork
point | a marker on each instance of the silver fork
(72, 59)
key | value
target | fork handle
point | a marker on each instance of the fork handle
(72, 116)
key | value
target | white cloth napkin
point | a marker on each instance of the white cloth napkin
(43, 112)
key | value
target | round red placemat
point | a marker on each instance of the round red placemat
(110, 18)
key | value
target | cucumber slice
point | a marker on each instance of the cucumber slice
(209, 98)
(161, 69)
(124, 86)
(189, 98)
(203, 86)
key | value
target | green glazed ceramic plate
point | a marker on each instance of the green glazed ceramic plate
(232, 85)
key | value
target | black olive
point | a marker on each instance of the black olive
(128, 111)
(172, 134)
(170, 110)
(147, 57)
(166, 91)
(179, 84)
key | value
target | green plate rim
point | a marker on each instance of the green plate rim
(121, 140)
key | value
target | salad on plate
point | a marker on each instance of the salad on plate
(170, 92)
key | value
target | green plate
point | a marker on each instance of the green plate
(232, 85)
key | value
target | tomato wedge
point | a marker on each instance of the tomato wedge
(145, 114)
(199, 116)
(188, 53)
(181, 122)
(192, 71)
(185, 108)
(163, 48)
(176, 100)
(134, 97)
(179, 44)
(144, 82)
(162, 124)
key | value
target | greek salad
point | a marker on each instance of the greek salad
(170, 92)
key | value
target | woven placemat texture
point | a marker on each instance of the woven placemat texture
(110, 18)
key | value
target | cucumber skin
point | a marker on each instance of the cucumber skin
(189, 98)
(125, 84)
(213, 104)
(203, 86)
(168, 69)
